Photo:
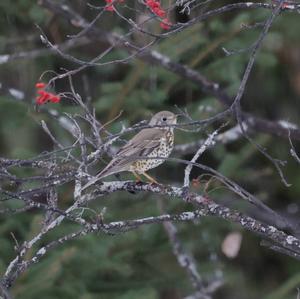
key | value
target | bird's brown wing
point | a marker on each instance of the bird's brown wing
(141, 145)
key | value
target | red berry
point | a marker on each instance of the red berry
(40, 85)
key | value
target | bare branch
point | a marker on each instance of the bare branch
(208, 142)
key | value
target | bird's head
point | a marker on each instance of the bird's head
(163, 118)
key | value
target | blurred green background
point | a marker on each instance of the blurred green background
(140, 264)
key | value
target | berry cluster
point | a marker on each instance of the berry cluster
(156, 8)
(45, 96)
(153, 5)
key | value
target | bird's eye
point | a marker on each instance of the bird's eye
(164, 118)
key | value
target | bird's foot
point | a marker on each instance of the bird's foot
(155, 183)
(139, 182)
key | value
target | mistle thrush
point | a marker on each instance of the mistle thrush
(151, 142)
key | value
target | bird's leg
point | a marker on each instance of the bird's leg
(139, 179)
(151, 179)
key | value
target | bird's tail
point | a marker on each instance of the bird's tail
(109, 169)
(106, 171)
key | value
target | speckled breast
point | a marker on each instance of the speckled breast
(163, 151)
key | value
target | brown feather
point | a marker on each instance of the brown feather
(140, 145)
